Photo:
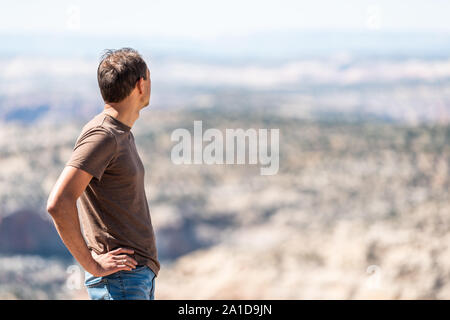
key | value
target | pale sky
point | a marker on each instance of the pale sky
(208, 18)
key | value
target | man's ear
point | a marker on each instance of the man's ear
(140, 85)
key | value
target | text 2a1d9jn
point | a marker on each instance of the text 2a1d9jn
(247, 309)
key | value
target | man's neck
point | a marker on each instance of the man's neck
(124, 114)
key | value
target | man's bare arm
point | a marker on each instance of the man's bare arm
(62, 207)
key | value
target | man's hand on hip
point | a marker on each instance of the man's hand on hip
(113, 261)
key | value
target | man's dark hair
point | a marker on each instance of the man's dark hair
(118, 72)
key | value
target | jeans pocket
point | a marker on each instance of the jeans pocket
(92, 281)
(97, 287)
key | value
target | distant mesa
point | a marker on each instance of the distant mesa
(25, 232)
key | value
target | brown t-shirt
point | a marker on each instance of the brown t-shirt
(114, 210)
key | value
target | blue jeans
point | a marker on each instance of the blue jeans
(137, 284)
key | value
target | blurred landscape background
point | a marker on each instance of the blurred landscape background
(360, 92)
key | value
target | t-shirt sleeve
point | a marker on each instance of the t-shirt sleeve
(93, 151)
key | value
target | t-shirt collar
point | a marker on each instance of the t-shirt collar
(117, 122)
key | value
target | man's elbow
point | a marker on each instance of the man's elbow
(56, 206)
(53, 207)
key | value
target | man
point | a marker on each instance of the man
(118, 250)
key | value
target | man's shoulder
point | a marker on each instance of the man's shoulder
(103, 121)
(97, 123)
(94, 148)
(97, 127)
